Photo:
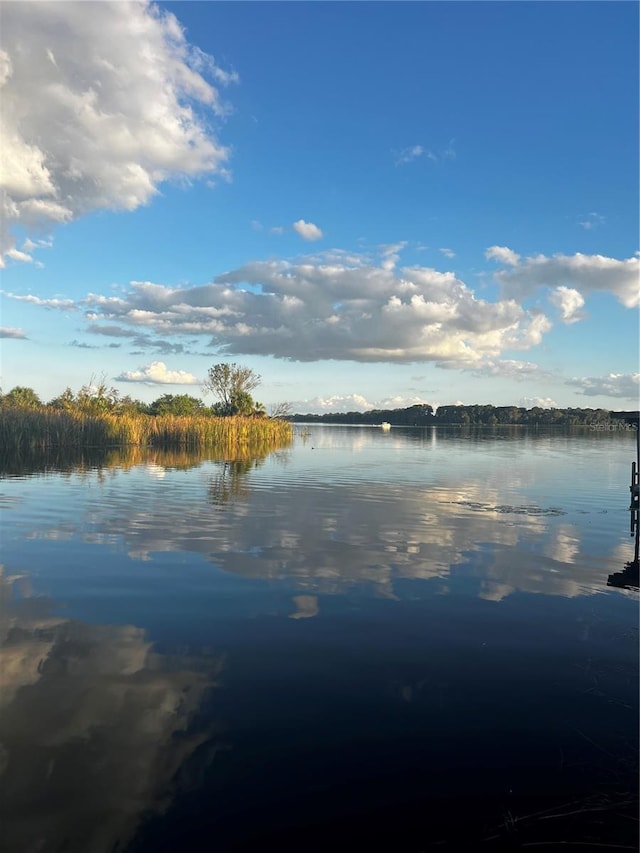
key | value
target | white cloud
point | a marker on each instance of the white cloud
(340, 306)
(448, 253)
(17, 255)
(335, 403)
(413, 152)
(569, 301)
(511, 369)
(12, 332)
(307, 230)
(331, 307)
(351, 403)
(53, 302)
(277, 229)
(409, 154)
(503, 255)
(390, 254)
(537, 402)
(29, 245)
(157, 373)
(623, 385)
(583, 274)
(99, 107)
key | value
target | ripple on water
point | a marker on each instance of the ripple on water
(505, 509)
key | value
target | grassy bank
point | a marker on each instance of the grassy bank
(42, 429)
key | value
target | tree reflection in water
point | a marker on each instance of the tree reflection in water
(230, 483)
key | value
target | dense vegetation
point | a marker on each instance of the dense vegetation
(97, 416)
(423, 415)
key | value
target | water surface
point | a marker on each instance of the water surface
(367, 641)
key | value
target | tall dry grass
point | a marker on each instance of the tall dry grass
(43, 429)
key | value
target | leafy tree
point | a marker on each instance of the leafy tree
(178, 404)
(129, 406)
(232, 385)
(65, 402)
(96, 397)
(21, 397)
(242, 403)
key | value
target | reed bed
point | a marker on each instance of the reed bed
(43, 429)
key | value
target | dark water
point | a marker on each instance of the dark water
(369, 641)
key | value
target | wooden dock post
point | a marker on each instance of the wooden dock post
(629, 578)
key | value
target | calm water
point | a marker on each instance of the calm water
(391, 641)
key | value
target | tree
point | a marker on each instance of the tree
(178, 404)
(21, 398)
(232, 384)
(242, 403)
(127, 405)
(96, 397)
(65, 402)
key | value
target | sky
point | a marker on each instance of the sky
(370, 204)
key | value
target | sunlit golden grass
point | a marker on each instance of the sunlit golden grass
(42, 429)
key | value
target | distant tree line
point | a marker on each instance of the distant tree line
(423, 415)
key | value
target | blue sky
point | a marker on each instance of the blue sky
(371, 204)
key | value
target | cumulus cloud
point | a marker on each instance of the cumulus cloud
(157, 373)
(101, 103)
(345, 306)
(307, 230)
(334, 403)
(12, 332)
(390, 254)
(537, 402)
(623, 385)
(448, 253)
(511, 369)
(503, 255)
(351, 403)
(314, 309)
(583, 274)
(569, 301)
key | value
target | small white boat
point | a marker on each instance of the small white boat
(385, 425)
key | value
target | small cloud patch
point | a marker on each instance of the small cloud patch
(11, 332)
(307, 230)
(157, 373)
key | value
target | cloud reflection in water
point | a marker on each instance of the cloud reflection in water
(94, 726)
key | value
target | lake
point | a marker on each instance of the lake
(369, 640)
